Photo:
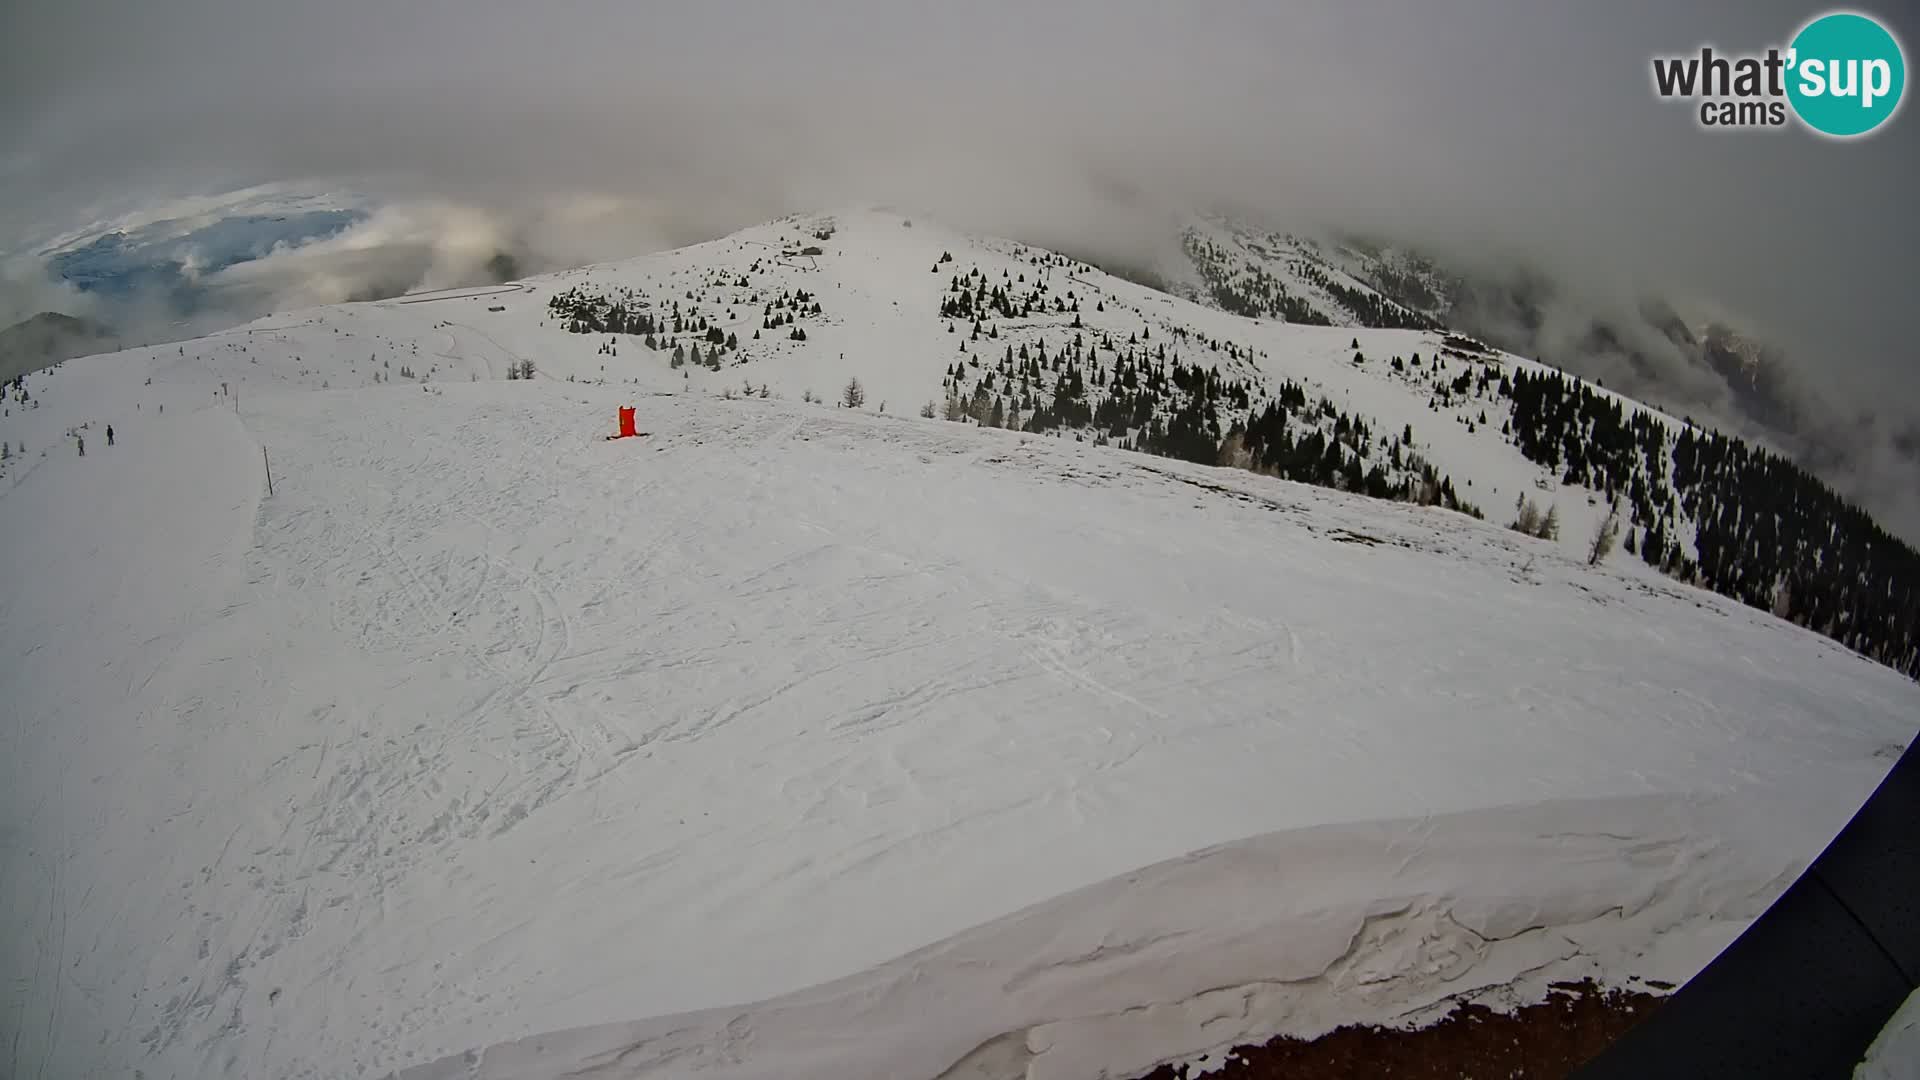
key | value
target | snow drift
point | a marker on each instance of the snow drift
(1295, 932)
(958, 751)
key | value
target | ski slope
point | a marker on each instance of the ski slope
(793, 740)
(880, 278)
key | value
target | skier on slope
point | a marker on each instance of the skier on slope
(109, 434)
(83, 444)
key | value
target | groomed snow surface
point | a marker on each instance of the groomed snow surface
(793, 741)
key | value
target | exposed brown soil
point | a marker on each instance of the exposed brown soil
(1539, 1042)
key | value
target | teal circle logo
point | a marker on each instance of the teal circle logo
(1846, 75)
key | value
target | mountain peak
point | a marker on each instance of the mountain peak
(949, 589)
(48, 338)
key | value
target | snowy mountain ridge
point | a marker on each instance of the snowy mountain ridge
(1661, 349)
(873, 308)
(1001, 333)
(370, 711)
(1299, 279)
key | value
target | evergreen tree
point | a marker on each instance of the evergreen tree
(1604, 536)
(978, 406)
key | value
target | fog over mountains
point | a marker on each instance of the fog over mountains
(1518, 150)
(850, 538)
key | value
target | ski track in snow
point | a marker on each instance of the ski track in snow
(483, 728)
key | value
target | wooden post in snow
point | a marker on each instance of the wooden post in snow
(269, 465)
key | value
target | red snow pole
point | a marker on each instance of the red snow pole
(627, 430)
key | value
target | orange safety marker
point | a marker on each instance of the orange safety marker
(627, 429)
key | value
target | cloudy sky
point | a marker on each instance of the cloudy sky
(592, 130)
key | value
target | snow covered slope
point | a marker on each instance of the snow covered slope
(880, 282)
(1299, 279)
(952, 747)
(1896, 1052)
